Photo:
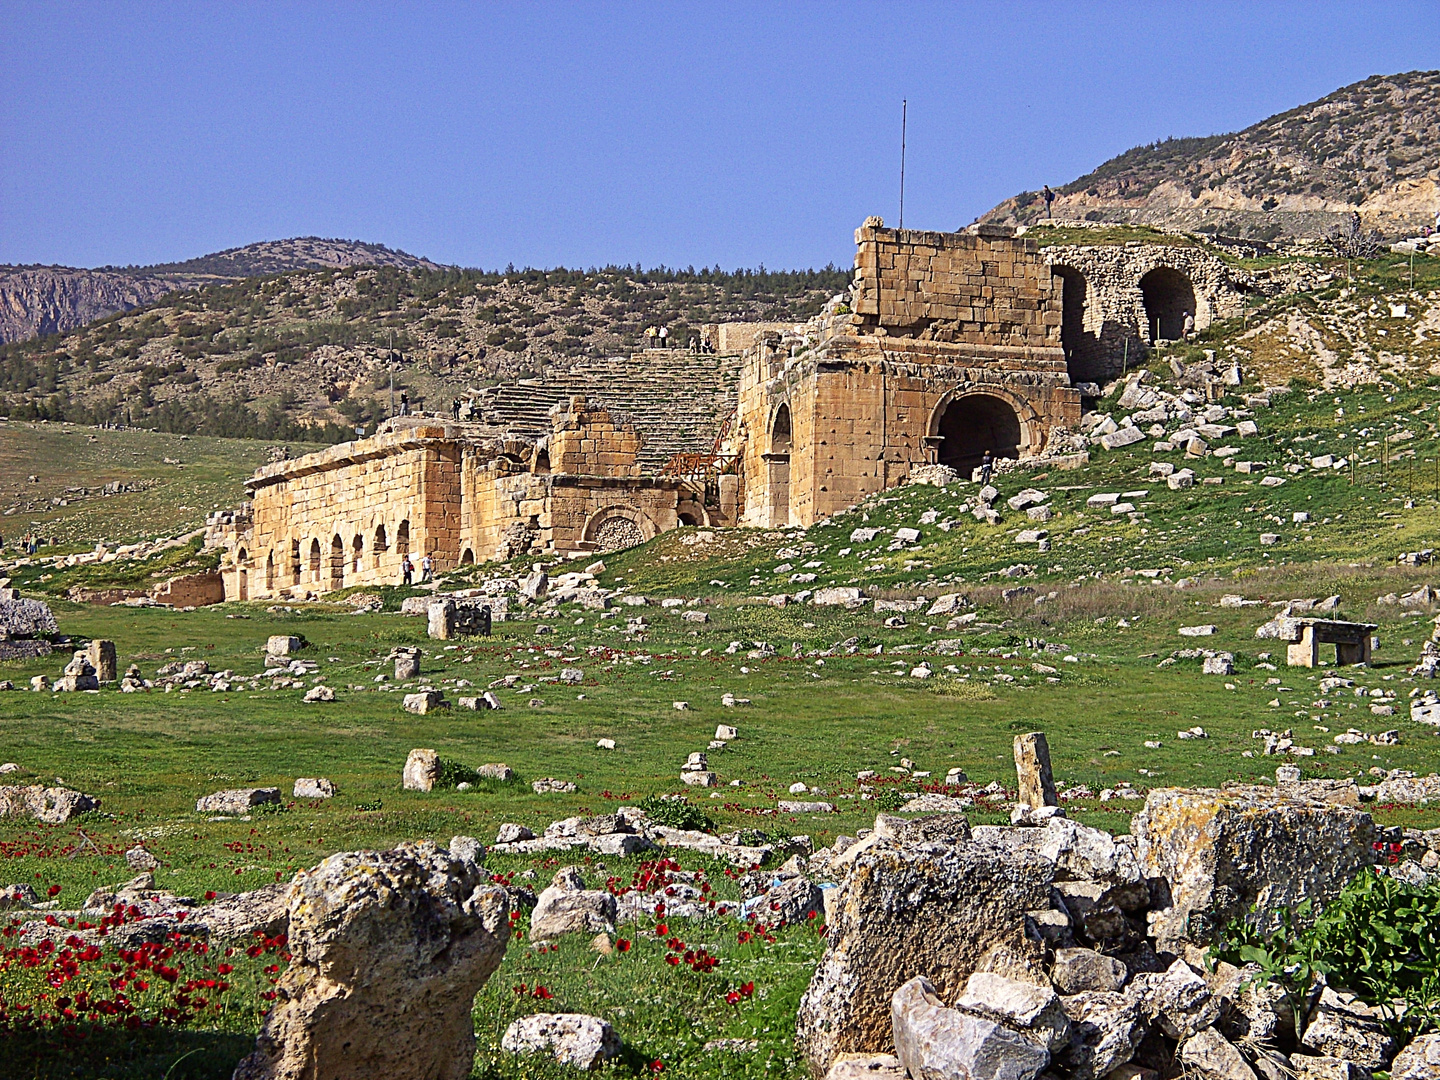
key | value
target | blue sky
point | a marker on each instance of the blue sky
(580, 134)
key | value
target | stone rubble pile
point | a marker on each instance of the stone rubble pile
(1057, 949)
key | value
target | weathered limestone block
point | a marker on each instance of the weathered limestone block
(567, 907)
(1418, 1061)
(1225, 851)
(53, 806)
(278, 645)
(101, 654)
(1032, 766)
(441, 619)
(389, 949)
(582, 1042)
(906, 910)
(237, 800)
(422, 770)
(936, 1043)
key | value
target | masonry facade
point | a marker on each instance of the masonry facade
(949, 346)
(946, 346)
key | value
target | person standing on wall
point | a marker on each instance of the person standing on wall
(987, 464)
(407, 570)
(1049, 202)
(664, 337)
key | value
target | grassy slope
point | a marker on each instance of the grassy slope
(173, 498)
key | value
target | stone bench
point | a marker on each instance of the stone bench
(1352, 641)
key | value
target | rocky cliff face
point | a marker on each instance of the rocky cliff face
(39, 300)
(1371, 148)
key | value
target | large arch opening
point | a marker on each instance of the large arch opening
(295, 562)
(1169, 298)
(380, 546)
(780, 431)
(358, 548)
(777, 465)
(315, 560)
(337, 562)
(1072, 319)
(402, 538)
(974, 424)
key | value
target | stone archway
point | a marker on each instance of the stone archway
(315, 560)
(974, 423)
(337, 562)
(618, 527)
(242, 575)
(1169, 297)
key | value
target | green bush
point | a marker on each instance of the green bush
(453, 772)
(1379, 939)
(676, 814)
(891, 799)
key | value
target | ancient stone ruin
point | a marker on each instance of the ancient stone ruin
(947, 345)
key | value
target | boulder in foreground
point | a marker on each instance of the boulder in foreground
(390, 948)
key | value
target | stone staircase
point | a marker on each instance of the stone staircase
(675, 398)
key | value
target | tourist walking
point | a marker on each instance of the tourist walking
(987, 464)
(407, 570)
(427, 568)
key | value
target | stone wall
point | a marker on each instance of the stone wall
(462, 493)
(348, 515)
(946, 330)
(982, 287)
(1106, 317)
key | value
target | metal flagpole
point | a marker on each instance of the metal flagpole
(904, 105)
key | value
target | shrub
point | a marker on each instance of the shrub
(453, 772)
(676, 814)
(1379, 939)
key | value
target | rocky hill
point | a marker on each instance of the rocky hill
(312, 353)
(1371, 148)
(39, 300)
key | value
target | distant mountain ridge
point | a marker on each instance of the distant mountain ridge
(1372, 147)
(38, 300)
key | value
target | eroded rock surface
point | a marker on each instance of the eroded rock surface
(389, 949)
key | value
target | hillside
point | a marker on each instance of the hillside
(1373, 147)
(40, 300)
(284, 356)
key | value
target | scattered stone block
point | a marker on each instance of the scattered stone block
(101, 654)
(279, 645)
(426, 701)
(1032, 767)
(319, 693)
(934, 1041)
(1226, 852)
(906, 907)
(313, 787)
(496, 770)
(237, 800)
(573, 1039)
(549, 785)
(422, 771)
